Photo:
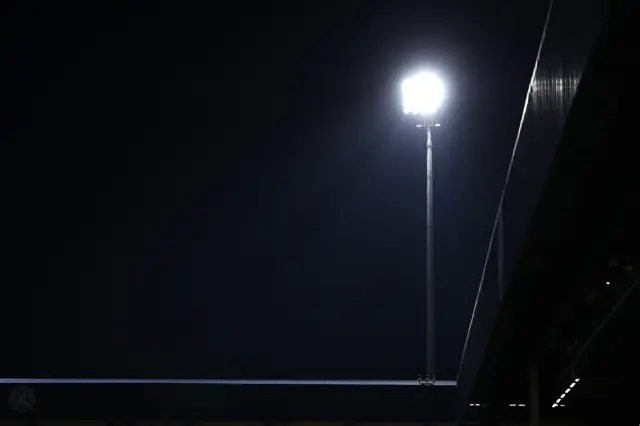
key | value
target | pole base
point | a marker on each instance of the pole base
(427, 380)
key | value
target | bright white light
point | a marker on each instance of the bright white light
(554, 405)
(521, 405)
(572, 384)
(608, 283)
(558, 400)
(422, 94)
(512, 405)
(563, 395)
(577, 380)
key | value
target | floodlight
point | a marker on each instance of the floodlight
(422, 94)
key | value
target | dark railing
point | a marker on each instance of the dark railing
(568, 36)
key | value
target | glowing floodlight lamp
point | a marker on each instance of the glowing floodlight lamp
(422, 94)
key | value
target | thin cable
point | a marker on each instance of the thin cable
(506, 183)
(605, 321)
(227, 382)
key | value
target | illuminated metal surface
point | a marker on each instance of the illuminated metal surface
(567, 38)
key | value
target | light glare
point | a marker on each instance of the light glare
(422, 94)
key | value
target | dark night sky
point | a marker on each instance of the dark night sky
(233, 192)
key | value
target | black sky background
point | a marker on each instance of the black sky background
(234, 192)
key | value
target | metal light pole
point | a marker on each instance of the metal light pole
(422, 95)
(431, 295)
(430, 263)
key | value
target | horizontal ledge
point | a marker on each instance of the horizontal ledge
(228, 382)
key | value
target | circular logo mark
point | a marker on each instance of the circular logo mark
(22, 399)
